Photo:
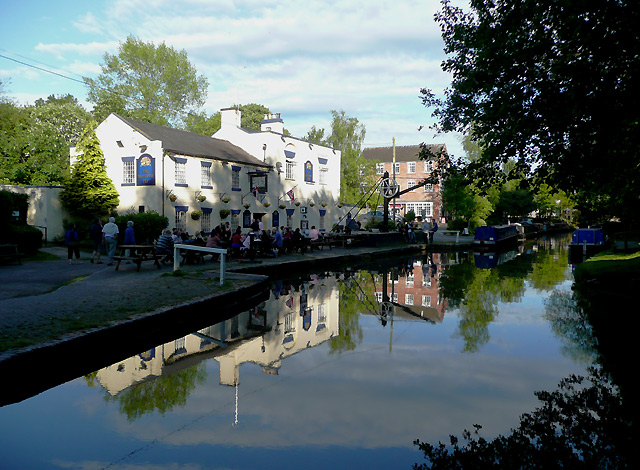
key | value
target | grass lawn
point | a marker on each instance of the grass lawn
(607, 264)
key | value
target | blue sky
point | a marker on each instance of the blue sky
(301, 59)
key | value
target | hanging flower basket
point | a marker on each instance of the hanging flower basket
(324, 204)
(246, 206)
(311, 204)
(339, 205)
(202, 198)
(173, 198)
(195, 215)
(297, 203)
(266, 204)
(226, 200)
(282, 206)
(224, 213)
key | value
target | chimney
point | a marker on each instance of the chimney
(273, 123)
(230, 117)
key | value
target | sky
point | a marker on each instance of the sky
(298, 58)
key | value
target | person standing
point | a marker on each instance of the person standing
(433, 230)
(72, 240)
(277, 241)
(426, 226)
(110, 238)
(95, 232)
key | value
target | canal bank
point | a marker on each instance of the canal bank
(53, 312)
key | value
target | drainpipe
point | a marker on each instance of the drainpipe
(163, 155)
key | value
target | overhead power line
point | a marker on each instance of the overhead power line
(42, 69)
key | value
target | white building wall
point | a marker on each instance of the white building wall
(45, 210)
(119, 140)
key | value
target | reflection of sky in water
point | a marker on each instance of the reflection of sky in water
(322, 410)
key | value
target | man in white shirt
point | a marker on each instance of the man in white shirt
(110, 238)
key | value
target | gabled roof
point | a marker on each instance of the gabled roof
(406, 153)
(195, 145)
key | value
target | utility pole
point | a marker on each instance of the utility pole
(393, 167)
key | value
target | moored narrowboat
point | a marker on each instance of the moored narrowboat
(495, 235)
(585, 242)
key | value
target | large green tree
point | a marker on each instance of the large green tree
(551, 84)
(152, 83)
(89, 192)
(35, 140)
(347, 135)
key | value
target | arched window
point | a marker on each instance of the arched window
(308, 172)
(275, 219)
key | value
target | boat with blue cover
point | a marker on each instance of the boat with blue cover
(495, 236)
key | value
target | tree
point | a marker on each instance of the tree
(553, 85)
(151, 83)
(199, 123)
(315, 135)
(89, 192)
(64, 115)
(463, 201)
(35, 140)
(347, 135)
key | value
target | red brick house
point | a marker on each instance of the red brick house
(425, 201)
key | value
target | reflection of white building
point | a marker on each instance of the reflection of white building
(287, 323)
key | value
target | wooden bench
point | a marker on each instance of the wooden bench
(320, 243)
(10, 253)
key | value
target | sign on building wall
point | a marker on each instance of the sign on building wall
(146, 170)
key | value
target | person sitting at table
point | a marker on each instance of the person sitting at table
(265, 243)
(297, 241)
(246, 242)
(236, 241)
(286, 240)
(314, 234)
(165, 247)
(199, 239)
(129, 239)
(213, 241)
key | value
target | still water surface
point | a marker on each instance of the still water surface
(333, 370)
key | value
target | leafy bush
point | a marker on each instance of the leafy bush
(147, 225)
(10, 202)
(27, 237)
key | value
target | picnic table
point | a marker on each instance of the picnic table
(138, 254)
(9, 252)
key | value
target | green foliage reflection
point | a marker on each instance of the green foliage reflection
(582, 425)
(161, 394)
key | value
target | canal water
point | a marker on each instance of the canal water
(334, 370)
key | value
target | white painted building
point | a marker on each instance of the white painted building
(190, 177)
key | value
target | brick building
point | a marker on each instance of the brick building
(425, 201)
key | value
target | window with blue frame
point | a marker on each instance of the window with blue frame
(235, 178)
(308, 172)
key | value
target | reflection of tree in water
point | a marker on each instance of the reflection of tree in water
(160, 394)
(581, 425)
(476, 292)
(350, 334)
(572, 327)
